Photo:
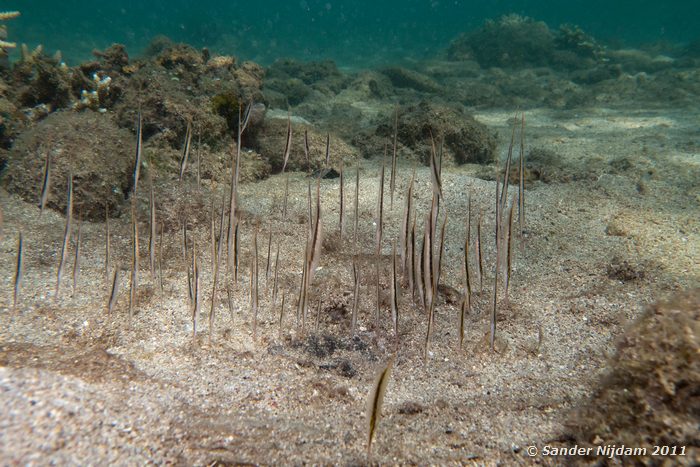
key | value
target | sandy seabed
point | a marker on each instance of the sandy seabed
(81, 386)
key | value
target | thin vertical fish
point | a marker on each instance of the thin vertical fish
(328, 149)
(199, 159)
(108, 241)
(284, 297)
(197, 301)
(394, 295)
(427, 263)
(236, 250)
(152, 231)
(212, 235)
(464, 309)
(76, 260)
(406, 223)
(418, 267)
(356, 296)
(303, 290)
(134, 284)
(342, 201)
(380, 208)
(254, 284)
(494, 308)
(66, 234)
(288, 144)
(312, 256)
(215, 280)
(378, 289)
(509, 249)
(274, 281)
(521, 184)
(306, 151)
(286, 197)
(160, 259)
(232, 215)
(392, 180)
(380, 228)
(184, 240)
(301, 302)
(374, 403)
(441, 249)
(114, 293)
(190, 285)
(316, 237)
(428, 281)
(137, 161)
(411, 260)
(435, 169)
(229, 299)
(479, 255)
(222, 218)
(466, 300)
(467, 237)
(232, 247)
(18, 270)
(357, 204)
(186, 150)
(504, 190)
(268, 267)
(318, 315)
(46, 186)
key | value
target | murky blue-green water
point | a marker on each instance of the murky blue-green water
(351, 32)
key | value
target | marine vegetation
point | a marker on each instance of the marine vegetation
(4, 16)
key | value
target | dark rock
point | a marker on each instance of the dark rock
(321, 346)
(623, 271)
(114, 58)
(346, 369)
(42, 81)
(410, 408)
(405, 78)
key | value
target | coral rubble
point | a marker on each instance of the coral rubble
(5, 15)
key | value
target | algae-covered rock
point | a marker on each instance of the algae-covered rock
(41, 80)
(515, 41)
(181, 84)
(404, 78)
(510, 41)
(321, 75)
(650, 395)
(464, 139)
(297, 81)
(293, 90)
(99, 154)
(271, 138)
(572, 39)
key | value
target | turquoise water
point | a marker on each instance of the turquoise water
(350, 32)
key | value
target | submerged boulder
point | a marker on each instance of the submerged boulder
(270, 140)
(650, 395)
(464, 139)
(88, 144)
(515, 41)
(510, 41)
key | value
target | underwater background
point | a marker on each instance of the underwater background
(354, 33)
(486, 211)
